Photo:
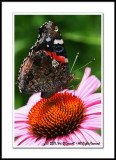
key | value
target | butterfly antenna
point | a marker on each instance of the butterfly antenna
(74, 62)
(86, 64)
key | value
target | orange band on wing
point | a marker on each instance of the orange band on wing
(54, 56)
(61, 59)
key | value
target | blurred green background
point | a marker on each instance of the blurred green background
(81, 33)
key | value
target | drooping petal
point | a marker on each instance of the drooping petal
(80, 136)
(20, 119)
(18, 114)
(95, 109)
(21, 139)
(68, 138)
(34, 99)
(18, 133)
(20, 125)
(40, 142)
(27, 142)
(32, 141)
(92, 99)
(89, 123)
(91, 136)
(23, 110)
(74, 138)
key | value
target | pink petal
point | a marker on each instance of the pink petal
(40, 142)
(34, 99)
(26, 142)
(88, 87)
(20, 124)
(74, 138)
(85, 77)
(91, 135)
(86, 74)
(93, 109)
(17, 114)
(71, 91)
(91, 85)
(18, 133)
(80, 136)
(67, 140)
(23, 110)
(67, 90)
(93, 118)
(59, 139)
(92, 99)
(24, 119)
(32, 141)
(21, 139)
(91, 124)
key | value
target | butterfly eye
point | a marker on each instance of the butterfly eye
(58, 49)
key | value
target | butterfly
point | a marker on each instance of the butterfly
(46, 68)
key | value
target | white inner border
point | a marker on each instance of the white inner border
(8, 8)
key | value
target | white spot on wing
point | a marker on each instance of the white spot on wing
(54, 63)
(58, 41)
(66, 60)
(48, 39)
(56, 29)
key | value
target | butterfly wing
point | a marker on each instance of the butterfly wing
(34, 72)
(46, 68)
(50, 41)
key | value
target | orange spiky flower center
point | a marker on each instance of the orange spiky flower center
(56, 116)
